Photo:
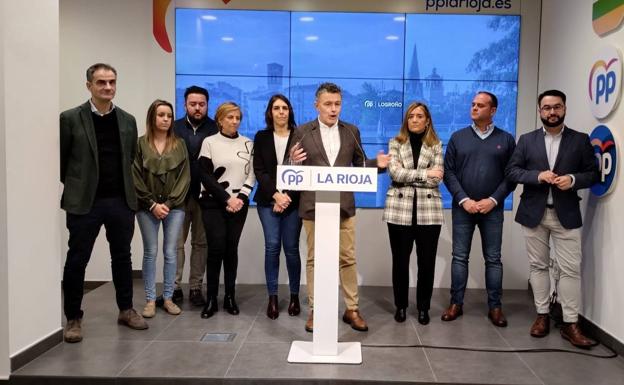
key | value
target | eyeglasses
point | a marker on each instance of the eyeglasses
(556, 107)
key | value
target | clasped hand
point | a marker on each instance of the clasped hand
(234, 204)
(482, 206)
(160, 210)
(562, 182)
(282, 201)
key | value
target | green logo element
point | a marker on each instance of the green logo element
(607, 15)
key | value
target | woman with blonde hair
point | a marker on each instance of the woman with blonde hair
(227, 178)
(161, 178)
(413, 208)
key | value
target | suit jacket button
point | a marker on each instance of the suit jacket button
(428, 195)
(400, 195)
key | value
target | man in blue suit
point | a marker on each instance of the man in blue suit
(553, 163)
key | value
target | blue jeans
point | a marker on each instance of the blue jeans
(149, 225)
(491, 229)
(281, 229)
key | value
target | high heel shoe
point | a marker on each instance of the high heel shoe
(293, 307)
(210, 308)
(272, 309)
(229, 304)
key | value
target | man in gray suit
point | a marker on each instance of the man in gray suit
(327, 141)
(98, 145)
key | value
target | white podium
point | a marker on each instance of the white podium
(328, 182)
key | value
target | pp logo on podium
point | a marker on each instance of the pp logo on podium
(605, 151)
(292, 177)
(605, 79)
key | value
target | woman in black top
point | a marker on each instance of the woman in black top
(277, 209)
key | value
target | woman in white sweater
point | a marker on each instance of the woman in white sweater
(227, 178)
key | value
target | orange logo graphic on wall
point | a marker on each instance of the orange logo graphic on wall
(607, 15)
(159, 27)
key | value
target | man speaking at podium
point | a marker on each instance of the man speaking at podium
(327, 141)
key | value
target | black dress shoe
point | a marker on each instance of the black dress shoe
(400, 314)
(230, 305)
(293, 307)
(178, 295)
(210, 308)
(272, 309)
(423, 317)
(196, 297)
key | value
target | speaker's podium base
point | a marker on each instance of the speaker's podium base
(348, 353)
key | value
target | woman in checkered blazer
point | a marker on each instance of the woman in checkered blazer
(413, 208)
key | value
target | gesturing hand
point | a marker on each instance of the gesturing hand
(383, 159)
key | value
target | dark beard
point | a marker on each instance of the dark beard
(558, 122)
(196, 122)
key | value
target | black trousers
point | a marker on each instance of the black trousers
(118, 220)
(402, 240)
(223, 231)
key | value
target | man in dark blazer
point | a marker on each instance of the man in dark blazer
(98, 145)
(553, 163)
(327, 141)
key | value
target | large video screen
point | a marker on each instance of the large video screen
(382, 62)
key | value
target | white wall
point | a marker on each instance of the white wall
(118, 32)
(147, 72)
(5, 362)
(568, 49)
(30, 172)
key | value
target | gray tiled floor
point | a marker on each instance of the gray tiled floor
(170, 350)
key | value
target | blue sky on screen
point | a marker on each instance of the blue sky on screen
(346, 45)
(224, 42)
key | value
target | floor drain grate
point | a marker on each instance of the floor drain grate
(218, 337)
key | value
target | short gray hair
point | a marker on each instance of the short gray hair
(329, 88)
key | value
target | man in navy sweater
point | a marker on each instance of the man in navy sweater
(194, 127)
(474, 173)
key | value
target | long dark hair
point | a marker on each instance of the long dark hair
(268, 114)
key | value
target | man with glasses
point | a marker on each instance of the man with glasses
(553, 163)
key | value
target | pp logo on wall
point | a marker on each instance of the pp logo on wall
(607, 15)
(605, 80)
(605, 151)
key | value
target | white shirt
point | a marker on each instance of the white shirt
(552, 143)
(280, 146)
(331, 141)
(95, 110)
(483, 135)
